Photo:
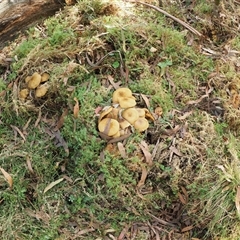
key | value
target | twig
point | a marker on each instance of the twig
(191, 29)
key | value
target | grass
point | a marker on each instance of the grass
(97, 195)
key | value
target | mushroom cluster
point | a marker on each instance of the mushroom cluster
(37, 83)
(114, 121)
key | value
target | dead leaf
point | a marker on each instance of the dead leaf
(29, 165)
(76, 108)
(185, 115)
(111, 80)
(39, 118)
(197, 101)
(60, 142)
(61, 120)
(98, 110)
(237, 200)
(82, 232)
(188, 228)
(143, 177)
(148, 156)
(175, 151)
(122, 150)
(182, 199)
(52, 184)
(19, 132)
(7, 177)
(146, 100)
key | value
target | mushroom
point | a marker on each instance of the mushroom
(44, 77)
(148, 115)
(141, 112)
(108, 126)
(23, 93)
(126, 102)
(27, 79)
(113, 114)
(131, 115)
(41, 90)
(34, 81)
(124, 123)
(106, 110)
(141, 124)
(121, 93)
(118, 134)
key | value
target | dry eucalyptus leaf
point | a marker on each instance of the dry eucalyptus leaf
(148, 156)
(146, 100)
(143, 177)
(52, 184)
(122, 150)
(237, 200)
(76, 108)
(8, 177)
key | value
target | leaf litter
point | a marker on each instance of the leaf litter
(176, 143)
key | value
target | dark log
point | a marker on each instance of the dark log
(17, 15)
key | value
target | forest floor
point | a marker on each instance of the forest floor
(179, 179)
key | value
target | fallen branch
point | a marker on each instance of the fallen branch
(191, 29)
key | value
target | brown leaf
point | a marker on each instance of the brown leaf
(122, 150)
(237, 200)
(52, 184)
(175, 151)
(29, 165)
(7, 177)
(146, 100)
(197, 101)
(188, 228)
(61, 120)
(18, 131)
(148, 156)
(143, 177)
(111, 80)
(182, 199)
(185, 115)
(76, 108)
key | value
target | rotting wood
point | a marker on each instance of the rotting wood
(17, 15)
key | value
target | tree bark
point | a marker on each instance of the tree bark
(17, 15)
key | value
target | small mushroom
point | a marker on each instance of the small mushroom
(124, 123)
(113, 114)
(44, 77)
(131, 115)
(121, 93)
(105, 111)
(41, 90)
(116, 134)
(141, 112)
(27, 79)
(23, 93)
(141, 124)
(108, 126)
(127, 102)
(34, 81)
(148, 115)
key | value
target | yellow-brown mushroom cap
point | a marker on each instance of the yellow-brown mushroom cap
(126, 102)
(121, 93)
(34, 81)
(23, 93)
(141, 112)
(108, 126)
(44, 77)
(106, 110)
(131, 115)
(41, 90)
(141, 124)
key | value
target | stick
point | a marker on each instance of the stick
(191, 29)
